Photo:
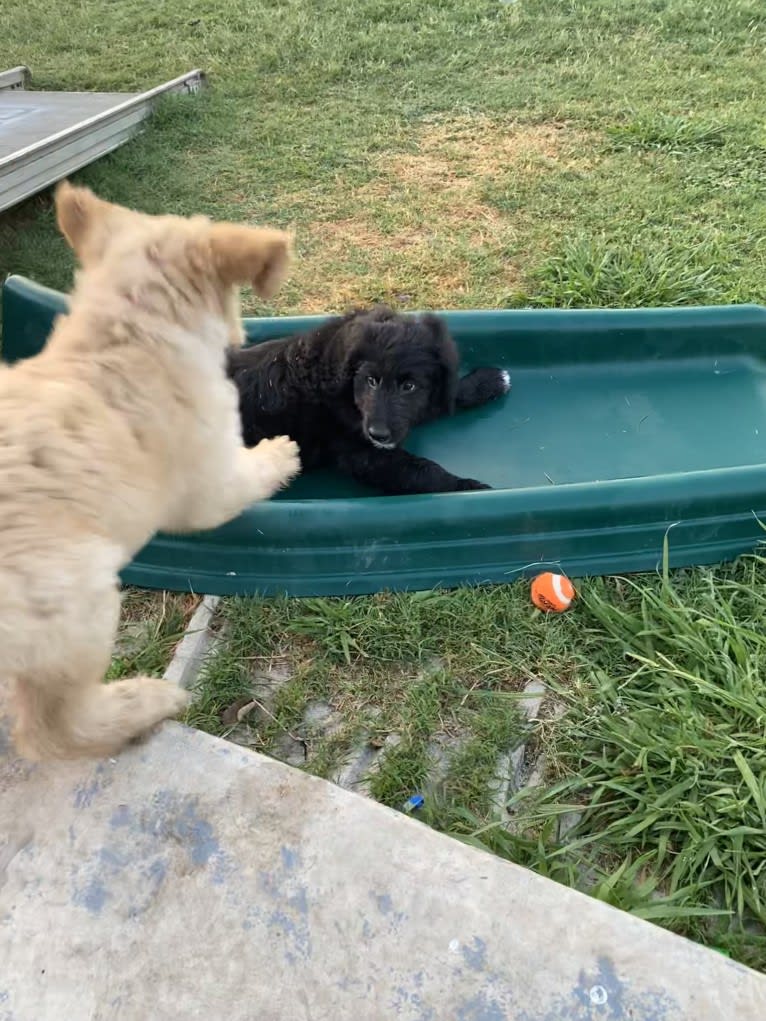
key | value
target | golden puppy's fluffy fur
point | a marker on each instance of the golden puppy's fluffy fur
(124, 425)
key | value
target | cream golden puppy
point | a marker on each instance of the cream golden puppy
(124, 425)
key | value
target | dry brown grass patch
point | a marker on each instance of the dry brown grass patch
(487, 148)
(141, 605)
(409, 234)
(459, 154)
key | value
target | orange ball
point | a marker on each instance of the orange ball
(552, 593)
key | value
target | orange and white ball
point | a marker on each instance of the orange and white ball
(552, 593)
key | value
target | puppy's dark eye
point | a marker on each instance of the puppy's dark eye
(372, 382)
(407, 386)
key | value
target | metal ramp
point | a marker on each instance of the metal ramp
(45, 136)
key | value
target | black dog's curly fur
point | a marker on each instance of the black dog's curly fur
(350, 392)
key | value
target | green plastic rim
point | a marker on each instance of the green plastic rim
(328, 539)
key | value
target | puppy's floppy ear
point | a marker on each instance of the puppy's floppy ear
(347, 341)
(446, 352)
(81, 219)
(257, 256)
(380, 314)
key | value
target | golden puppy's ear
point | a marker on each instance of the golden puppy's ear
(73, 212)
(250, 255)
(79, 214)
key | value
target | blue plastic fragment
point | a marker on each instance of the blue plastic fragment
(414, 803)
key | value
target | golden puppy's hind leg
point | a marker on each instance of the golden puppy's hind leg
(59, 720)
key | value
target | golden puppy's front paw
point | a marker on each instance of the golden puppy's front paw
(284, 457)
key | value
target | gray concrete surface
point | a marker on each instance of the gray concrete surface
(191, 878)
(196, 644)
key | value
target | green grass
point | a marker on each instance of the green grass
(593, 272)
(312, 104)
(464, 154)
(675, 134)
(659, 740)
(662, 751)
(151, 625)
(418, 667)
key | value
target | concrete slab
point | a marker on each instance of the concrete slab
(190, 878)
(197, 642)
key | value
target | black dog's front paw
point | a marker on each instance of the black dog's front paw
(481, 386)
(491, 383)
(465, 485)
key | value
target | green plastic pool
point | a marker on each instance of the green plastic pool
(622, 426)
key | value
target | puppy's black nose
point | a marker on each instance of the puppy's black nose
(379, 433)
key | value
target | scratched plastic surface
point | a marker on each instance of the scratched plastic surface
(620, 424)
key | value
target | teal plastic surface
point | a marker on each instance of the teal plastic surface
(621, 427)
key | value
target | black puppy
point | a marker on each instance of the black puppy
(349, 392)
